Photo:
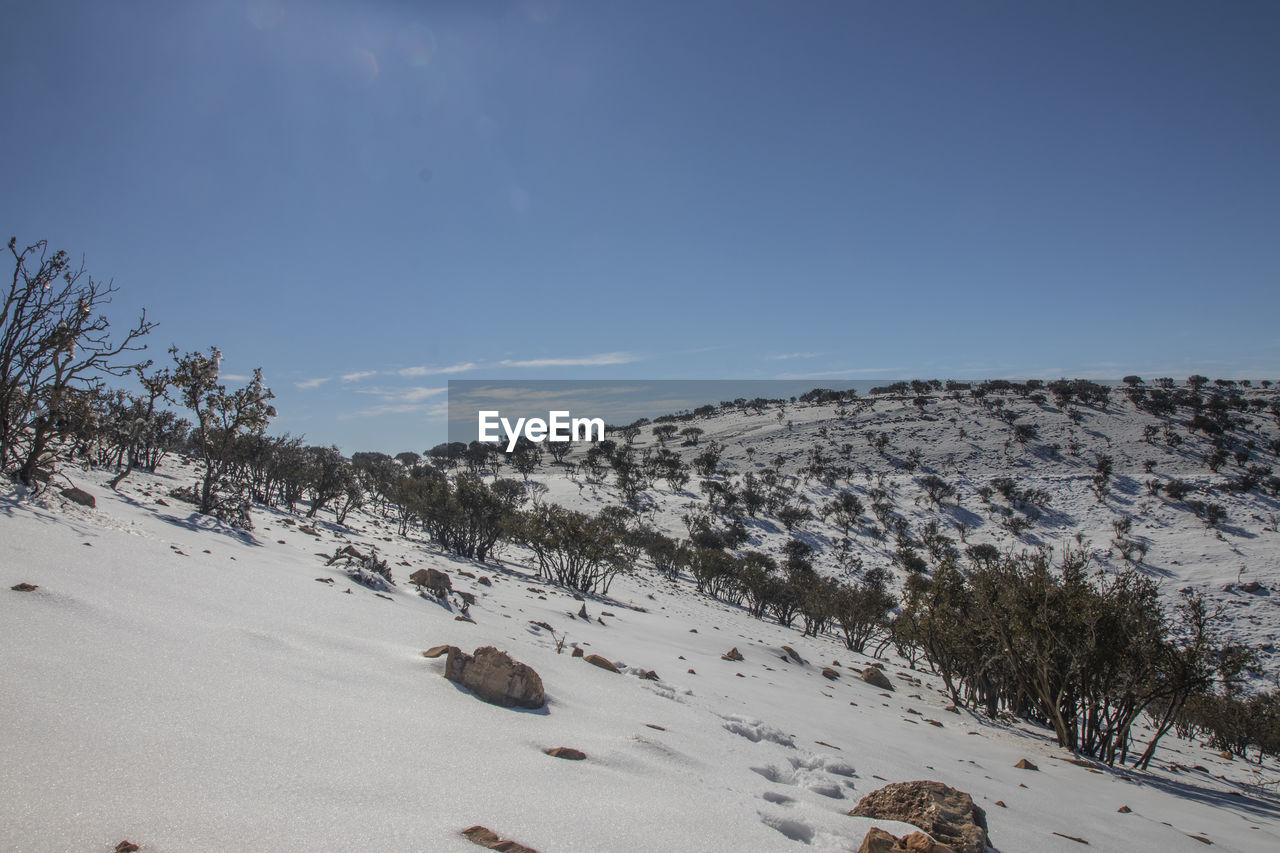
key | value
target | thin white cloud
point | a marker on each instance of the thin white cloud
(402, 395)
(356, 376)
(579, 361)
(789, 355)
(881, 372)
(310, 384)
(234, 377)
(435, 371)
(432, 411)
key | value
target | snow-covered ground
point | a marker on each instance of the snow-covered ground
(189, 687)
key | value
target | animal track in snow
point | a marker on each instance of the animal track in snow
(796, 830)
(757, 730)
(811, 772)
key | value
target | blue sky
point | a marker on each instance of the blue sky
(368, 199)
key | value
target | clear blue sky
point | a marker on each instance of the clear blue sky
(360, 196)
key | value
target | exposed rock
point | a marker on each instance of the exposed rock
(79, 496)
(484, 581)
(567, 752)
(467, 598)
(732, 654)
(582, 613)
(436, 582)
(347, 551)
(307, 529)
(1001, 804)
(948, 815)
(828, 672)
(603, 663)
(435, 651)
(127, 847)
(1124, 810)
(879, 841)
(1024, 764)
(494, 677)
(1251, 587)
(649, 676)
(24, 587)
(876, 678)
(577, 652)
(791, 653)
(489, 839)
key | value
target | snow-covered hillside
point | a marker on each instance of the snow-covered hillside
(968, 444)
(190, 687)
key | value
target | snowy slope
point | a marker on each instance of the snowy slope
(192, 688)
(968, 444)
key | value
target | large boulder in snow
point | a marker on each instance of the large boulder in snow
(494, 677)
(436, 582)
(876, 678)
(948, 815)
(79, 496)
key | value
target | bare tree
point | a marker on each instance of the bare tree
(54, 347)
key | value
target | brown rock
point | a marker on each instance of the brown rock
(650, 676)
(1024, 764)
(829, 673)
(567, 752)
(79, 496)
(436, 651)
(577, 652)
(948, 815)
(1124, 810)
(484, 581)
(876, 678)
(1001, 804)
(494, 677)
(879, 841)
(732, 654)
(436, 582)
(603, 663)
(127, 847)
(487, 838)
(791, 653)
(24, 587)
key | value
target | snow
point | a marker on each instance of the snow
(191, 687)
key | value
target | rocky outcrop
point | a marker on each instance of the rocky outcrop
(732, 654)
(948, 815)
(79, 496)
(493, 676)
(876, 678)
(879, 841)
(435, 582)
